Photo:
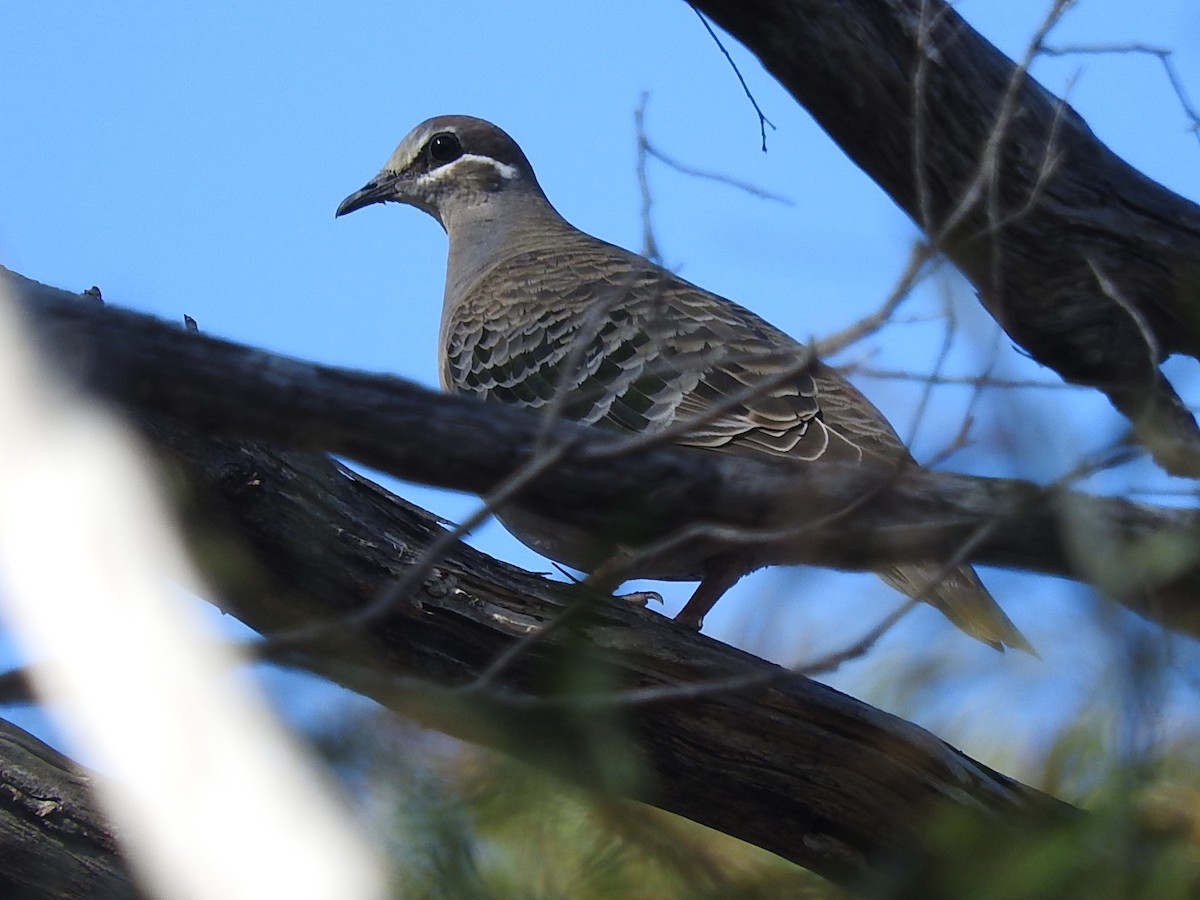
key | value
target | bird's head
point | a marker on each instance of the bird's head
(447, 165)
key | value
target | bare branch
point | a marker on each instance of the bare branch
(647, 148)
(54, 842)
(1163, 54)
(763, 121)
(658, 493)
(974, 126)
(851, 788)
(983, 380)
(868, 325)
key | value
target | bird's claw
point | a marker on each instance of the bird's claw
(640, 598)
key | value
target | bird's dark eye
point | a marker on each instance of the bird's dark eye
(444, 147)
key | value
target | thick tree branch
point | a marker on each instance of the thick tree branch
(54, 845)
(845, 516)
(850, 790)
(1085, 262)
(292, 538)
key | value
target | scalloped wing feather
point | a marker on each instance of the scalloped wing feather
(636, 348)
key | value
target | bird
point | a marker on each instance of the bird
(539, 314)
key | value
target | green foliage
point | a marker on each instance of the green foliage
(463, 822)
(1117, 851)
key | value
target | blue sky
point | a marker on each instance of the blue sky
(188, 159)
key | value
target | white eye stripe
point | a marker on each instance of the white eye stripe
(441, 173)
(506, 171)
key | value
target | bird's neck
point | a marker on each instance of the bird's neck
(488, 233)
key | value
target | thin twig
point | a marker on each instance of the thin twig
(988, 170)
(948, 334)
(532, 638)
(921, 253)
(649, 244)
(650, 696)
(1113, 293)
(647, 150)
(982, 380)
(832, 661)
(763, 121)
(924, 54)
(651, 149)
(430, 556)
(1164, 56)
(615, 569)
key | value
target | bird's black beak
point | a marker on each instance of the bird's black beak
(376, 190)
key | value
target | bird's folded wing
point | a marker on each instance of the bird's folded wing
(606, 338)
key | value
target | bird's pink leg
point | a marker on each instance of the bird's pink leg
(720, 574)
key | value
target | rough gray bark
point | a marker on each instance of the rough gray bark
(850, 789)
(54, 844)
(1085, 262)
(734, 742)
(913, 515)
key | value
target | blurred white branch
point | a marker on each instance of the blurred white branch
(212, 798)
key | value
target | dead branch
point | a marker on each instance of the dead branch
(54, 844)
(712, 733)
(849, 516)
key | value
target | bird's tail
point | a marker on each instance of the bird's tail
(963, 599)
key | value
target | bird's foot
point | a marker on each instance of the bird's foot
(721, 573)
(639, 598)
